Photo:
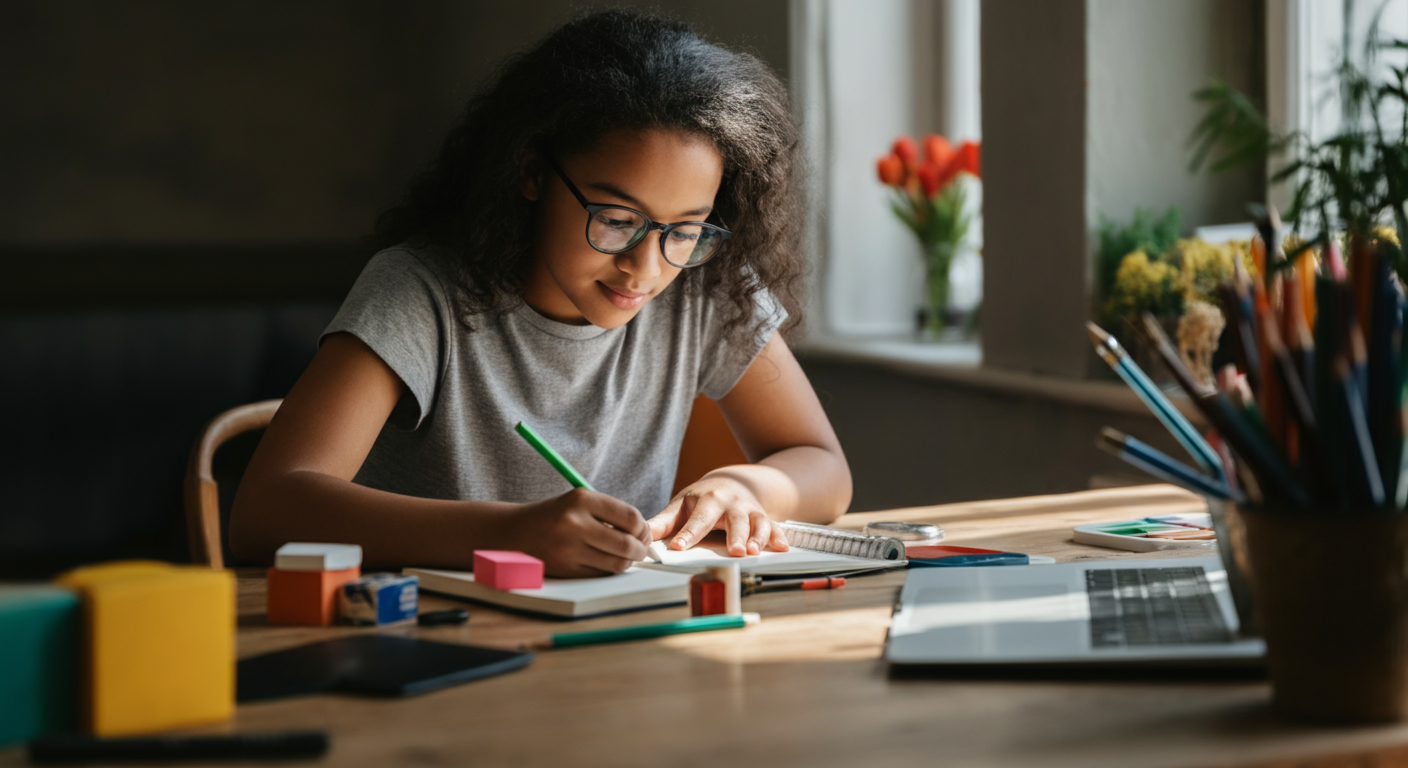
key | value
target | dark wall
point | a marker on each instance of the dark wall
(183, 192)
(914, 438)
(218, 124)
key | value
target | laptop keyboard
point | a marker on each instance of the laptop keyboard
(1132, 607)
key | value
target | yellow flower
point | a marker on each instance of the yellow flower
(1142, 285)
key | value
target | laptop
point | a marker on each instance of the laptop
(1140, 613)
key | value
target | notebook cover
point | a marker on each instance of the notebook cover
(641, 589)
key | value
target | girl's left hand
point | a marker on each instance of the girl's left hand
(715, 502)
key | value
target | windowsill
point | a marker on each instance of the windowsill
(959, 364)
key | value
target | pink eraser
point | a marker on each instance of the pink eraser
(507, 570)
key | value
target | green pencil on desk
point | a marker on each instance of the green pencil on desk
(561, 465)
(647, 631)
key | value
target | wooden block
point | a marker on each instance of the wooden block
(507, 570)
(39, 632)
(159, 646)
(307, 598)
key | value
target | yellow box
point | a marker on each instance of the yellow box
(159, 646)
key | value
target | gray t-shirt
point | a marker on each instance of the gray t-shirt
(614, 403)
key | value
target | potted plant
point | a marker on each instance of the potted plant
(1328, 545)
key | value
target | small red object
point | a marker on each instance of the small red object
(706, 596)
(936, 552)
(501, 569)
(308, 598)
(830, 582)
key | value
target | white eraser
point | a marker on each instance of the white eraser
(317, 557)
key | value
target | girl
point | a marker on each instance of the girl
(613, 227)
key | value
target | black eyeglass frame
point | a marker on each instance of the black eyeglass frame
(650, 224)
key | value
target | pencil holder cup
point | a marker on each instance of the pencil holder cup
(1331, 597)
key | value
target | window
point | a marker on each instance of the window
(864, 73)
(1305, 39)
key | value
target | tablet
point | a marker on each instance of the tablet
(374, 665)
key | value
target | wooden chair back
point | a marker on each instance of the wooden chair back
(202, 492)
(708, 444)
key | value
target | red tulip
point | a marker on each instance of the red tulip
(937, 150)
(906, 151)
(890, 170)
(929, 178)
(969, 158)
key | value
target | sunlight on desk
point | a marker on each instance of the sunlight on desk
(1041, 525)
(844, 635)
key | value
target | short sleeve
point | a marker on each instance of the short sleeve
(723, 363)
(399, 308)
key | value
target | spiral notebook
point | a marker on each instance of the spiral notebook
(816, 549)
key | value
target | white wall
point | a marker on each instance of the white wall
(874, 261)
(1145, 60)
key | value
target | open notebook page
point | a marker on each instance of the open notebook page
(790, 563)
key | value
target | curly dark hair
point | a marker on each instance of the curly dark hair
(601, 72)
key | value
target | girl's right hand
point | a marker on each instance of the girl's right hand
(582, 533)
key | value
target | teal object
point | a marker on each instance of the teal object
(39, 629)
(646, 631)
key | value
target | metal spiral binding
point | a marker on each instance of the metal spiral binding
(822, 539)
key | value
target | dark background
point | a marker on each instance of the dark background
(185, 189)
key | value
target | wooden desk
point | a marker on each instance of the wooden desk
(808, 687)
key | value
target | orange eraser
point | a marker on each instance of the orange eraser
(306, 597)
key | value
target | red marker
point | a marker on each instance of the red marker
(825, 582)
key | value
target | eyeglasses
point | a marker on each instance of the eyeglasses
(616, 228)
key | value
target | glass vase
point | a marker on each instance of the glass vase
(938, 260)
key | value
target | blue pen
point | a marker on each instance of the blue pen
(1110, 351)
(969, 561)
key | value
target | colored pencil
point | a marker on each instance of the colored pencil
(1384, 400)
(1364, 466)
(1274, 476)
(1110, 351)
(1240, 301)
(558, 463)
(1162, 466)
(1292, 387)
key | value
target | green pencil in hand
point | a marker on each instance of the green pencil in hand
(560, 464)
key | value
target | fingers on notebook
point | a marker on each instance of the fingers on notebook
(746, 527)
(670, 521)
(764, 532)
(778, 539)
(736, 526)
